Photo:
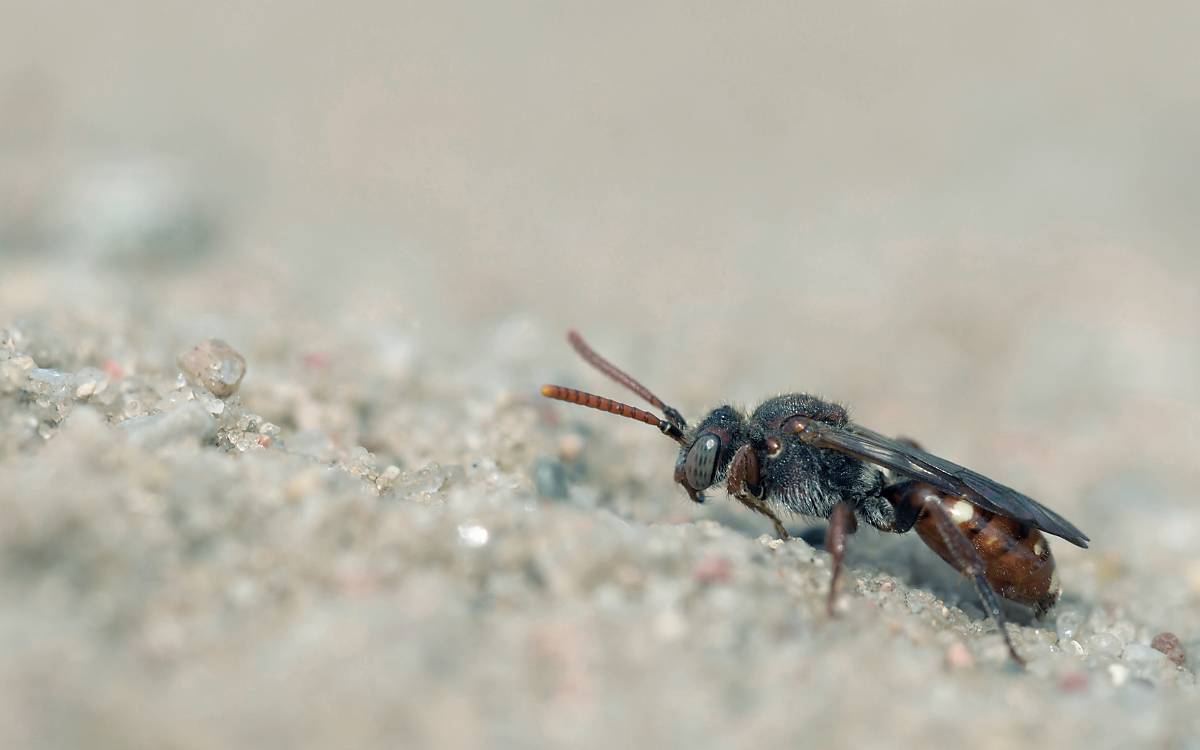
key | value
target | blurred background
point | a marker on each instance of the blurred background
(974, 223)
(946, 216)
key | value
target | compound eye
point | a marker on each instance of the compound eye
(701, 464)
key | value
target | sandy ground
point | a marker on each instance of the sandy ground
(973, 227)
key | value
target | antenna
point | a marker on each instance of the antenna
(608, 368)
(593, 401)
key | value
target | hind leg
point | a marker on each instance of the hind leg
(940, 520)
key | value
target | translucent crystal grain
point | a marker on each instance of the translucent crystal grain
(215, 366)
(14, 372)
(423, 483)
(1104, 644)
(1141, 653)
(362, 463)
(1067, 624)
(916, 602)
(387, 479)
(1118, 673)
(89, 382)
(132, 407)
(213, 405)
(43, 380)
(188, 422)
(473, 535)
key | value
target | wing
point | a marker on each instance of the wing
(913, 462)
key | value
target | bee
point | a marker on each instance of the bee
(799, 454)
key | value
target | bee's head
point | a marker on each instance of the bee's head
(705, 453)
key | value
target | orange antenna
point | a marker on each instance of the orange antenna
(593, 401)
(608, 368)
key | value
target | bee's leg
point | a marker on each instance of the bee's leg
(920, 505)
(841, 524)
(743, 483)
(972, 565)
(880, 513)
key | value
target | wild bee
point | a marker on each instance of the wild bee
(803, 455)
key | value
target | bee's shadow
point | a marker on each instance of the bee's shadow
(902, 556)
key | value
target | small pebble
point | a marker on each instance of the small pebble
(1137, 653)
(958, 656)
(187, 423)
(550, 478)
(422, 484)
(1073, 682)
(713, 570)
(473, 535)
(1169, 644)
(89, 382)
(14, 371)
(387, 478)
(46, 379)
(915, 604)
(213, 405)
(214, 365)
(570, 446)
(1118, 673)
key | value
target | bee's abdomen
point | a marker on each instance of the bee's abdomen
(1017, 557)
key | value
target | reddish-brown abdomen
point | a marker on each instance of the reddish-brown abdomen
(1017, 556)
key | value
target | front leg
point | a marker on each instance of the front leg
(744, 485)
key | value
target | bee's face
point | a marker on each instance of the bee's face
(704, 458)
